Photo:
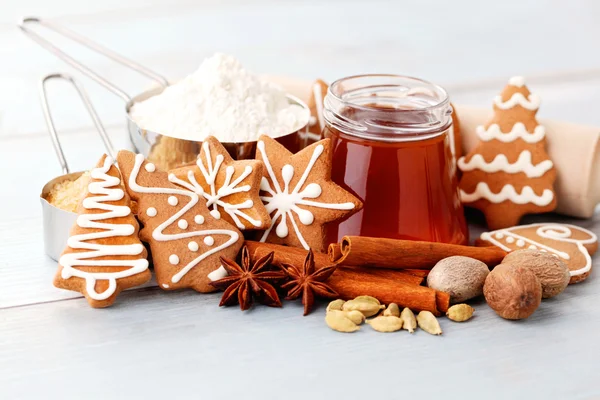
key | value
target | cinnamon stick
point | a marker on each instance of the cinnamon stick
(296, 256)
(349, 285)
(389, 286)
(335, 253)
(403, 254)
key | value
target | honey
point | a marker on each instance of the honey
(391, 137)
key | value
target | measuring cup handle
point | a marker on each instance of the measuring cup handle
(92, 46)
(50, 122)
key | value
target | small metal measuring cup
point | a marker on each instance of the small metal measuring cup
(163, 150)
(57, 222)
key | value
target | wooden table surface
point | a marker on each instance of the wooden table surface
(153, 344)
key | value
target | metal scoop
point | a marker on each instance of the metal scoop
(58, 222)
(163, 150)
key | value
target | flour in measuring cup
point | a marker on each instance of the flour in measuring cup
(221, 99)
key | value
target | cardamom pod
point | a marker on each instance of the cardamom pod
(355, 316)
(336, 305)
(386, 323)
(460, 312)
(367, 298)
(409, 320)
(392, 310)
(429, 323)
(338, 321)
(367, 307)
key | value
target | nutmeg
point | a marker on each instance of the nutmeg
(513, 291)
(550, 270)
(461, 277)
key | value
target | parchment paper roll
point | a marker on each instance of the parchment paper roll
(574, 149)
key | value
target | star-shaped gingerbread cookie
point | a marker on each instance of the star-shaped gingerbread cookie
(230, 188)
(299, 194)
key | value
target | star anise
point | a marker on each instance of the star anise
(246, 283)
(308, 282)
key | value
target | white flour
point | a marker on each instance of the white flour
(221, 99)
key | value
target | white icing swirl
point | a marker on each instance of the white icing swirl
(109, 190)
(500, 163)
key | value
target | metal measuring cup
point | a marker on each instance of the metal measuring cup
(57, 222)
(163, 150)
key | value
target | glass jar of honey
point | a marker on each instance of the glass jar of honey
(392, 149)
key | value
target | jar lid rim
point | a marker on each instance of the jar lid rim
(440, 90)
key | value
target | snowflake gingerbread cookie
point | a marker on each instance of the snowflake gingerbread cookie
(299, 194)
(185, 239)
(104, 254)
(509, 174)
(230, 188)
(572, 244)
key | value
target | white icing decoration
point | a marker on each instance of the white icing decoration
(151, 212)
(150, 167)
(282, 204)
(199, 219)
(109, 190)
(517, 99)
(499, 235)
(518, 131)
(500, 163)
(209, 241)
(182, 224)
(558, 232)
(165, 285)
(510, 240)
(217, 195)
(174, 259)
(158, 233)
(520, 243)
(172, 200)
(217, 274)
(508, 192)
(193, 246)
(517, 81)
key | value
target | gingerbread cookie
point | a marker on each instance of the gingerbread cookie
(318, 91)
(572, 244)
(104, 254)
(231, 188)
(185, 240)
(300, 195)
(509, 173)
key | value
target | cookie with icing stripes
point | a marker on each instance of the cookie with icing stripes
(104, 254)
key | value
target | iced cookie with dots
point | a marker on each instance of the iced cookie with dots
(572, 244)
(299, 194)
(104, 254)
(186, 241)
(230, 188)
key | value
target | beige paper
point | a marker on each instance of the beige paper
(574, 149)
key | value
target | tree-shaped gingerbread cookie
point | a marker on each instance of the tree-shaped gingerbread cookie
(509, 173)
(104, 254)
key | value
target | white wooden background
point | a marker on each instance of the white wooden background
(154, 344)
